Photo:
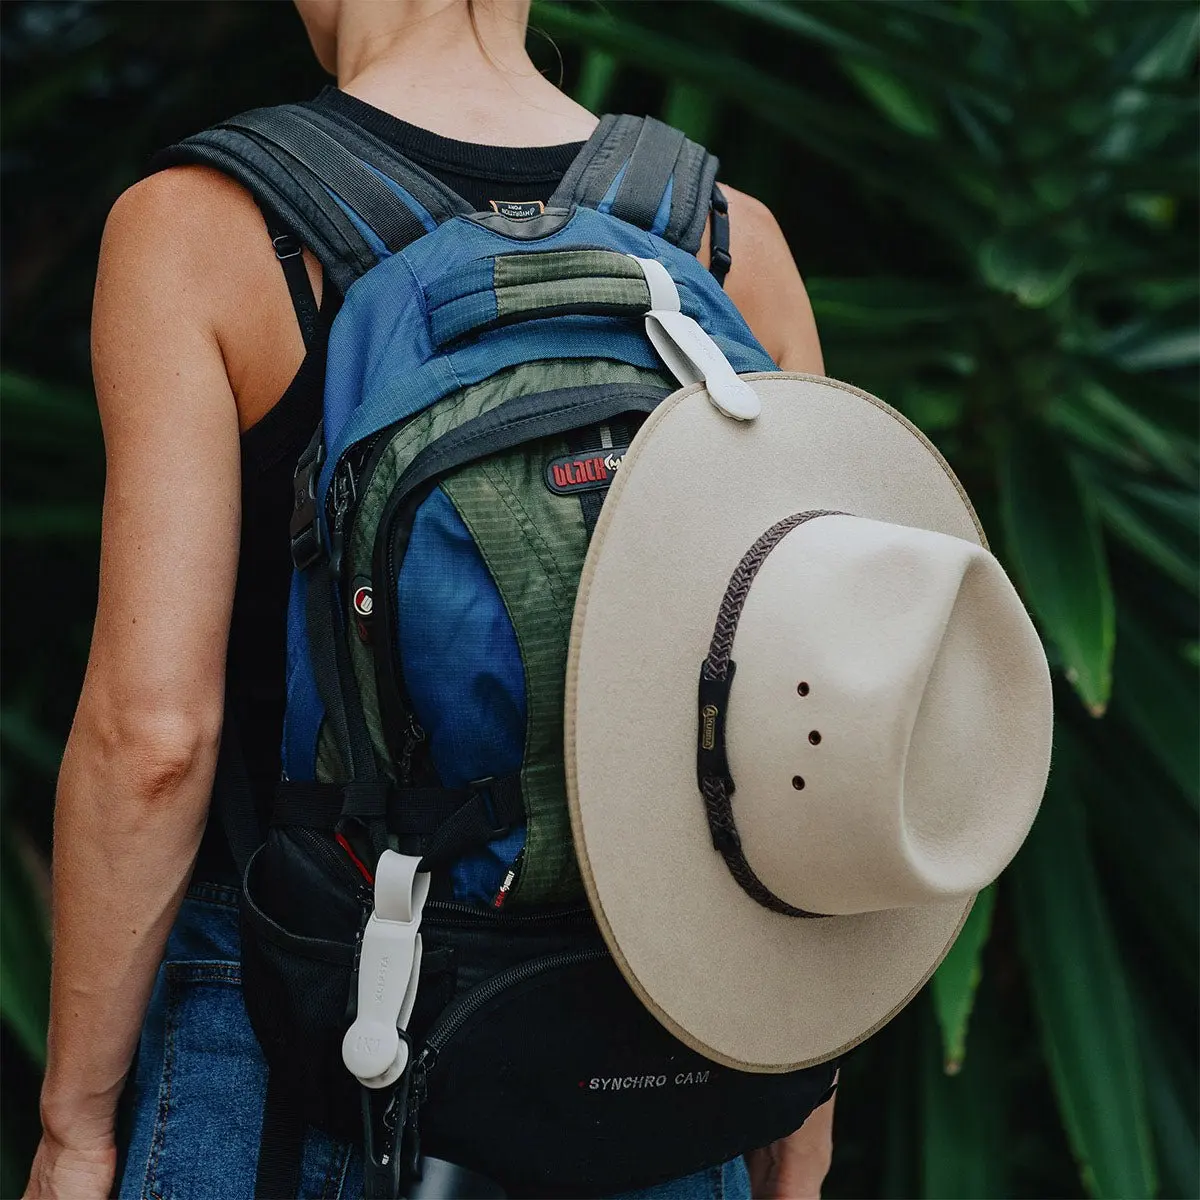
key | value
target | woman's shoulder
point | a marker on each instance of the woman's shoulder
(195, 220)
(764, 282)
(191, 242)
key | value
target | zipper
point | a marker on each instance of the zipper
(458, 912)
(461, 1011)
(458, 448)
(343, 492)
(332, 856)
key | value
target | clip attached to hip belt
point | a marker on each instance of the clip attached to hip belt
(389, 966)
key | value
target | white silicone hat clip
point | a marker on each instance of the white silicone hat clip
(389, 966)
(690, 354)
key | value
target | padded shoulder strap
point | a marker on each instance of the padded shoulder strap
(350, 198)
(646, 173)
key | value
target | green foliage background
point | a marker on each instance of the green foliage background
(995, 208)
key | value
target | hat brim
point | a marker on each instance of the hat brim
(744, 986)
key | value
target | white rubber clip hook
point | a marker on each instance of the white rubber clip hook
(690, 354)
(388, 969)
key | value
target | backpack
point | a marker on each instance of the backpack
(419, 962)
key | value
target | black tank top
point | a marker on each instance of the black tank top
(270, 448)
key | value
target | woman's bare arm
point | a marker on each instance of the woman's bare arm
(134, 786)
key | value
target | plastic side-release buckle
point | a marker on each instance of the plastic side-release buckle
(305, 525)
(388, 969)
(689, 353)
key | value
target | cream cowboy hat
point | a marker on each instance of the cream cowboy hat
(779, 859)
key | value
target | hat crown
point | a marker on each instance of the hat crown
(871, 723)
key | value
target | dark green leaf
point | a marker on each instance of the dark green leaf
(692, 109)
(595, 79)
(964, 1152)
(1172, 1087)
(1138, 531)
(1082, 999)
(1031, 266)
(1160, 445)
(24, 954)
(1053, 537)
(50, 521)
(20, 735)
(957, 978)
(901, 103)
(1163, 351)
(1156, 694)
(881, 304)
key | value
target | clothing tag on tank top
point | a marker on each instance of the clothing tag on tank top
(518, 210)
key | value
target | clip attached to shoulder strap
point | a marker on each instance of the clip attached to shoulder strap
(389, 966)
(689, 352)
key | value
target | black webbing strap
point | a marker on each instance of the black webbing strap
(613, 145)
(233, 796)
(597, 164)
(282, 1146)
(335, 676)
(719, 258)
(486, 816)
(362, 190)
(437, 198)
(290, 254)
(442, 822)
(287, 189)
(647, 173)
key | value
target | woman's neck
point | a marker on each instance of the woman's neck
(427, 63)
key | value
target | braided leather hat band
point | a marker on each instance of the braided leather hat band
(716, 675)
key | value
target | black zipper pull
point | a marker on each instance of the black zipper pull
(342, 496)
(420, 1077)
(413, 737)
(509, 879)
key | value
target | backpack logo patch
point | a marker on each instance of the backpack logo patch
(363, 605)
(584, 472)
(518, 210)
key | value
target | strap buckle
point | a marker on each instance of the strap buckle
(287, 245)
(374, 1048)
(719, 258)
(305, 525)
(485, 788)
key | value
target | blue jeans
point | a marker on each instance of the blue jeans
(196, 1099)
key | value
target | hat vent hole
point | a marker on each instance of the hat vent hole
(798, 782)
(802, 689)
(815, 737)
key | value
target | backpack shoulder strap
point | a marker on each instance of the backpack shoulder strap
(646, 173)
(348, 197)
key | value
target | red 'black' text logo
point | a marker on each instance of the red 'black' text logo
(584, 472)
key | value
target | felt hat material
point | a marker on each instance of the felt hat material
(887, 729)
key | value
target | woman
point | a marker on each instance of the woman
(194, 344)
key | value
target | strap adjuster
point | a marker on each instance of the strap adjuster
(305, 525)
(485, 788)
(287, 245)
